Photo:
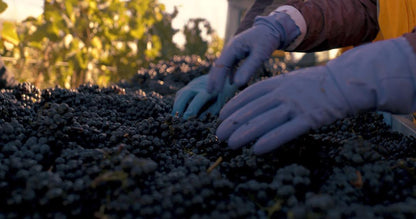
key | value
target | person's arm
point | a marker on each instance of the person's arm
(379, 76)
(325, 24)
(332, 24)
(276, 31)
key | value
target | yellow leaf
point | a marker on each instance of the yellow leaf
(9, 34)
(96, 43)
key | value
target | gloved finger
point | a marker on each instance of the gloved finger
(258, 126)
(196, 105)
(214, 109)
(222, 98)
(281, 135)
(245, 114)
(181, 101)
(246, 96)
(222, 67)
(253, 62)
(216, 78)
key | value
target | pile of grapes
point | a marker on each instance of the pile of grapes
(118, 152)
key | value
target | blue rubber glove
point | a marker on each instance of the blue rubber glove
(378, 76)
(256, 44)
(190, 99)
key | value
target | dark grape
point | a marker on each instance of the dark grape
(117, 152)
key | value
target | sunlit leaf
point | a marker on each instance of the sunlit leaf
(138, 32)
(93, 5)
(52, 32)
(162, 7)
(95, 53)
(36, 45)
(9, 34)
(68, 7)
(96, 43)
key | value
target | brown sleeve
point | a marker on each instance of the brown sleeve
(411, 37)
(332, 24)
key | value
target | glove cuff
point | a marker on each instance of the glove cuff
(281, 25)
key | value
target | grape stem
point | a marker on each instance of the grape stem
(215, 164)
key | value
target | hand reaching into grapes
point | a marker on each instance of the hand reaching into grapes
(191, 99)
(379, 76)
(255, 45)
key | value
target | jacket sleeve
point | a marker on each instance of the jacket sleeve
(329, 24)
(333, 24)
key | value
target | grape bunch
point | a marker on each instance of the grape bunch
(118, 152)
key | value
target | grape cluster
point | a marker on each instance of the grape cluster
(167, 77)
(118, 152)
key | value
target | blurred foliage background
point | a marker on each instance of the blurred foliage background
(99, 41)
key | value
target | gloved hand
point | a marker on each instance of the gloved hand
(379, 76)
(190, 99)
(257, 43)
